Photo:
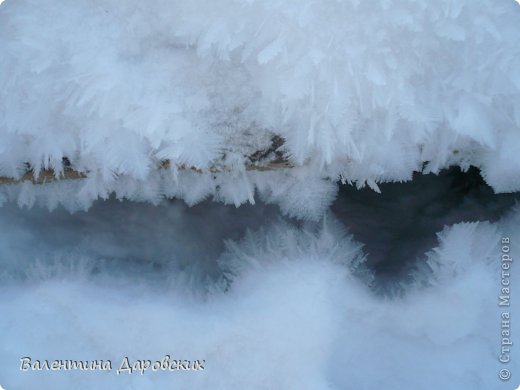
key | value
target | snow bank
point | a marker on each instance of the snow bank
(282, 307)
(365, 91)
(362, 91)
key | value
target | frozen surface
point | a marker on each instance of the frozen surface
(285, 305)
(369, 91)
(283, 298)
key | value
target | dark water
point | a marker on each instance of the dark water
(398, 225)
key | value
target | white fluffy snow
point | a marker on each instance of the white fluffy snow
(282, 307)
(363, 90)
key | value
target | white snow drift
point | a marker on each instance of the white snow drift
(281, 308)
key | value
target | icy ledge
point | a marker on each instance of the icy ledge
(368, 92)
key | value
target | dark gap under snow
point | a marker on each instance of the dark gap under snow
(398, 225)
(396, 228)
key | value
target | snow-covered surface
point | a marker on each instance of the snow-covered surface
(365, 90)
(283, 307)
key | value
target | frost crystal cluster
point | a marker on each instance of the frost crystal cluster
(364, 91)
(273, 102)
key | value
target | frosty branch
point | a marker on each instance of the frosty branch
(264, 160)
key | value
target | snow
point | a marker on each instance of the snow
(268, 286)
(282, 305)
(364, 91)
